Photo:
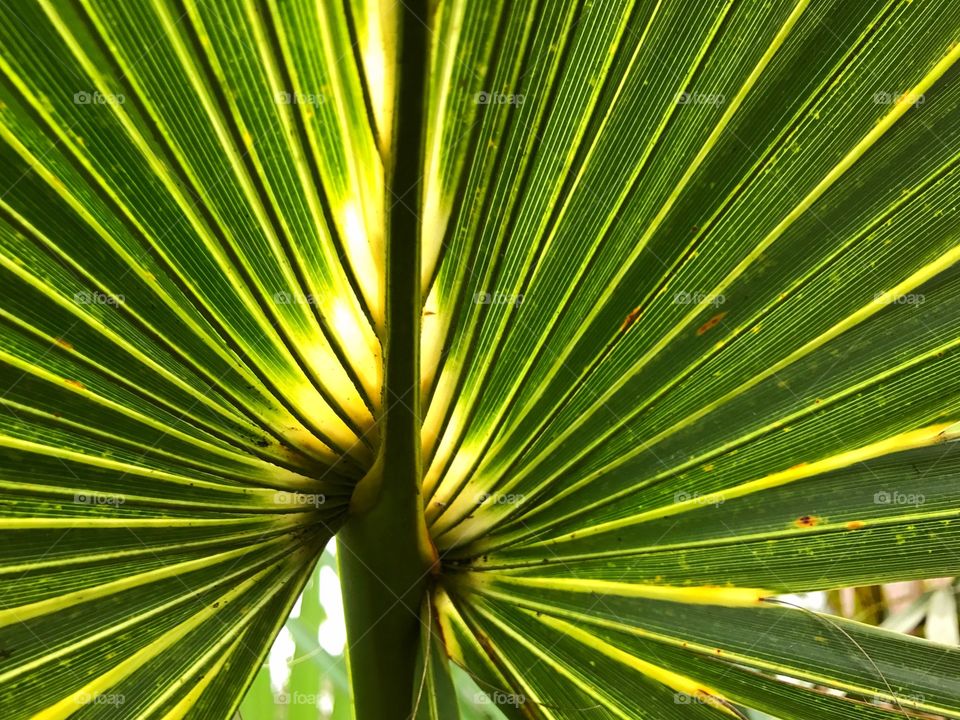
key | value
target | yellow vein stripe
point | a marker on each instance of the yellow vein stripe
(746, 660)
(252, 469)
(359, 217)
(681, 683)
(511, 671)
(924, 437)
(182, 708)
(377, 26)
(559, 668)
(121, 408)
(446, 615)
(879, 302)
(79, 699)
(62, 602)
(709, 595)
(868, 229)
(829, 179)
(255, 534)
(277, 500)
(225, 648)
(53, 181)
(256, 471)
(162, 172)
(138, 619)
(507, 538)
(780, 535)
(453, 628)
(436, 198)
(704, 358)
(251, 493)
(845, 393)
(234, 157)
(59, 523)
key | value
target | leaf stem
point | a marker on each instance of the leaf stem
(385, 556)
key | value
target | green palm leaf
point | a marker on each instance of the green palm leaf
(588, 328)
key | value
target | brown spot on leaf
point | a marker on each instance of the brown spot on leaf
(76, 384)
(64, 344)
(807, 521)
(711, 323)
(854, 525)
(631, 318)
